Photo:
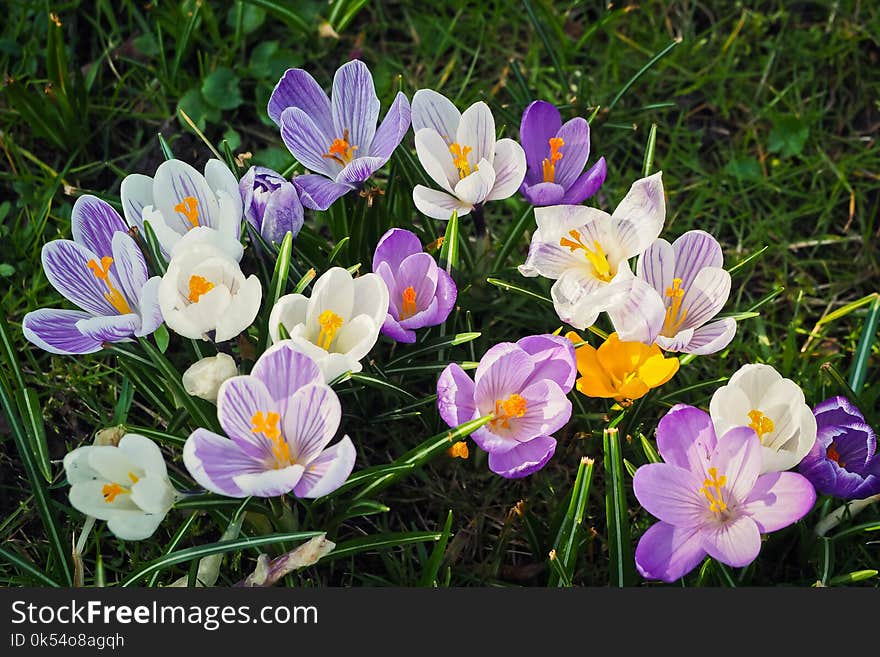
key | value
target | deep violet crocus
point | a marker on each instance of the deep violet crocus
(279, 420)
(271, 204)
(420, 293)
(556, 154)
(843, 462)
(336, 139)
(102, 271)
(524, 385)
(710, 497)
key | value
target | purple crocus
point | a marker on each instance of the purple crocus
(555, 156)
(271, 204)
(279, 420)
(843, 462)
(102, 271)
(710, 497)
(421, 293)
(524, 385)
(337, 139)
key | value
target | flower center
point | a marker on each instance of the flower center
(834, 455)
(341, 150)
(595, 256)
(189, 208)
(459, 159)
(267, 424)
(408, 307)
(549, 163)
(102, 271)
(507, 409)
(198, 285)
(330, 323)
(760, 423)
(675, 316)
(112, 490)
(712, 490)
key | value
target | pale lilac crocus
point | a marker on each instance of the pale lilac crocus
(279, 420)
(336, 139)
(102, 271)
(556, 154)
(710, 497)
(271, 204)
(524, 385)
(420, 293)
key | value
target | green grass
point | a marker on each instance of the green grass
(766, 123)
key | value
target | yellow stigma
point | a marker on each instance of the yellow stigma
(189, 208)
(134, 478)
(330, 323)
(760, 423)
(267, 424)
(459, 159)
(198, 286)
(102, 271)
(674, 315)
(595, 256)
(549, 163)
(341, 150)
(712, 490)
(459, 450)
(110, 491)
(408, 307)
(507, 409)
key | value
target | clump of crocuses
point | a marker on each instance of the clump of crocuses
(271, 204)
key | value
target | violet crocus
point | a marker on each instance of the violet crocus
(102, 271)
(337, 140)
(710, 497)
(279, 420)
(271, 204)
(524, 386)
(420, 293)
(556, 154)
(843, 462)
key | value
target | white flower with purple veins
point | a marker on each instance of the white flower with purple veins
(102, 271)
(179, 199)
(279, 421)
(460, 153)
(586, 251)
(338, 140)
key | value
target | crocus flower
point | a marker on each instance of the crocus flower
(758, 397)
(204, 292)
(524, 385)
(179, 199)
(842, 462)
(271, 204)
(460, 153)
(204, 377)
(688, 279)
(279, 420)
(337, 140)
(621, 370)
(126, 485)
(339, 324)
(421, 293)
(585, 250)
(102, 271)
(710, 497)
(555, 156)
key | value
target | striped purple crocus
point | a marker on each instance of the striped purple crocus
(524, 386)
(278, 421)
(271, 204)
(102, 271)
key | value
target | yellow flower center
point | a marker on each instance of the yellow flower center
(330, 323)
(189, 208)
(760, 423)
(112, 490)
(341, 150)
(595, 256)
(102, 271)
(675, 316)
(198, 285)
(459, 159)
(459, 450)
(549, 163)
(508, 409)
(267, 424)
(408, 307)
(712, 490)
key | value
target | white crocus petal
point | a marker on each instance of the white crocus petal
(223, 182)
(510, 169)
(203, 378)
(242, 311)
(370, 297)
(438, 205)
(134, 526)
(477, 130)
(639, 316)
(578, 299)
(639, 217)
(474, 189)
(547, 257)
(167, 236)
(136, 193)
(289, 311)
(435, 158)
(434, 110)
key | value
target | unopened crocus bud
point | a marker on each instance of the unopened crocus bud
(203, 378)
(271, 204)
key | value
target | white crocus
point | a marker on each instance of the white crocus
(586, 251)
(179, 199)
(460, 153)
(338, 325)
(203, 378)
(205, 291)
(759, 397)
(126, 485)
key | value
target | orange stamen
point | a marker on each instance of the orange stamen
(341, 150)
(408, 307)
(508, 409)
(834, 455)
(110, 491)
(459, 159)
(267, 424)
(549, 163)
(102, 271)
(189, 208)
(198, 285)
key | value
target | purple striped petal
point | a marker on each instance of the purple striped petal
(671, 494)
(312, 418)
(328, 471)
(175, 181)
(358, 170)
(284, 370)
(706, 296)
(667, 552)
(93, 223)
(55, 331)
(524, 459)
(137, 193)
(66, 266)
(543, 193)
(392, 129)
(640, 316)
(712, 337)
(695, 250)
(575, 151)
(656, 266)
(554, 359)
(129, 267)
(110, 329)
(455, 396)
(738, 457)
(586, 184)
(686, 438)
(540, 122)
(238, 401)
(270, 483)
(394, 246)
(778, 500)
(307, 143)
(297, 88)
(214, 461)
(502, 371)
(319, 193)
(735, 542)
(836, 411)
(283, 214)
(355, 104)
(433, 110)
(420, 272)
(477, 130)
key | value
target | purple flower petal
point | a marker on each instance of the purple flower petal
(424, 317)
(109, 329)
(394, 246)
(129, 267)
(148, 307)
(308, 144)
(284, 370)
(392, 129)
(640, 317)
(575, 151)
(587, 184)
(548, 409)
(543, 193)
(656, 265)
(736, 542)
(671, 494)
(297, 88)
(93, 223)
(455, 396)
(317, 192)
(175, 181)
(214, 461)
(311, 421)
(55, 331)
(738, 457)
(779, 499)
(359, 169)
(667, 552)
(502, 372)
(524, 459)
(540, 122)
(433, 110)
(706, 296)
(695, 250)
(328, 471)
(270, 483)
(712, 337)
(447, 293)
(418, 271)
(836, 411)
(355, 105)
(66, 266)
(283, 214)
(238, 401)
(396, 332)
(686, 438)
(554, 359)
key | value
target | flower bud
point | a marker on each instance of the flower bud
(203, 379)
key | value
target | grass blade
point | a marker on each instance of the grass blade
(449, 250)
(619, 542)
(429, 576)
(567, 543)
(656, 58)
(863, 350)
(380, 541)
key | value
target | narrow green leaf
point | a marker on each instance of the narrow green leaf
(429, 575)
(619, 542)
(282, 10)
(154, 249)
(24, 564)
(853, 577)
(167, 153)
(656, 58)
(162, 338)
(337, 249)
(514, 234)
(436, 345)
(29, 404)
(742, 263)
(648, 162)
(649, 450)
(380, 542)
(863, 350)
(449, 250)
(307, 278)
(568, 537)
(373, 382)
(504, 285)
(279, 280)
(159, 436)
